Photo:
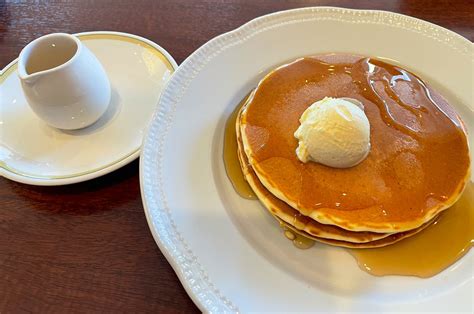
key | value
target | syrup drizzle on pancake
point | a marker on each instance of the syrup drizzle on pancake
(374, 71)
(417, 165)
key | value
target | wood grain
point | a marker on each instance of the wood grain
(87, 247)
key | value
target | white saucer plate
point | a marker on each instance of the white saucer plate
(228, 252)
(34, 153)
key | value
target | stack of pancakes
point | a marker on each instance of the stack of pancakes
(418, 165)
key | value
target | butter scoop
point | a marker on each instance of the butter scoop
(334, 132)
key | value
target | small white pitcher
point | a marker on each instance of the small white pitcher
(64, 83)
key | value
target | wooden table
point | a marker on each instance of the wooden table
(87, 247)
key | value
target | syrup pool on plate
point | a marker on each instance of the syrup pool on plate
(231, 160)
(430, 251)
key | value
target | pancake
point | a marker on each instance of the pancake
(308, 227)
(418, 164)
(391, 239)
(289, 215)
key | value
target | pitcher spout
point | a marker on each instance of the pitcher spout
(46, 54)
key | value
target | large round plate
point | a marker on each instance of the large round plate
(228, 252)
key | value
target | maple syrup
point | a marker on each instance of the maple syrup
(298, 240)
(430, 251)
(231, 159)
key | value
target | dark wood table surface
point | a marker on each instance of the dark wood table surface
(87, 247)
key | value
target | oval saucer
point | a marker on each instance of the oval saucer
(34, 153)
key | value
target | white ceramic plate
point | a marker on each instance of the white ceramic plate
(34, 153)
(228, 252)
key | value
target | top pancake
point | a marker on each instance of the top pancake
(291, 216)
(419, 158)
